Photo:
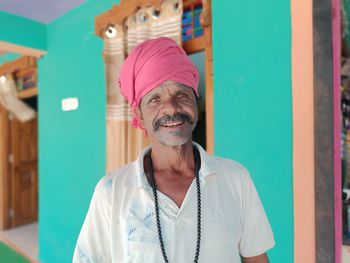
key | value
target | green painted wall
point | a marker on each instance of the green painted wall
(71, 144)
(22, 31)
(252, 103)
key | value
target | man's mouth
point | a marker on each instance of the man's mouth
(172, 124)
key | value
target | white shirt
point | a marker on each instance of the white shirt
(120, 225)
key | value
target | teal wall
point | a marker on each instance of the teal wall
(252, 103)
(71, 144)
(22, 31)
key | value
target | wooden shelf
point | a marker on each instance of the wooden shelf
(18, 64)
(31, 92)
(194, 45)
(25, 71)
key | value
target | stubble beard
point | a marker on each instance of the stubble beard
(174, 138)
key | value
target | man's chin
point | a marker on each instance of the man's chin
(174, 142)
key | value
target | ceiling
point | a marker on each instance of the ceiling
(44, 11)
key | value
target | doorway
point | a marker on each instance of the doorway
(19, 153)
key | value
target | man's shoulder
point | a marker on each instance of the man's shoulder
(232, 175)
(225, 165)
(219, 165)
(229, 171)
(117, 179)
(124, 171)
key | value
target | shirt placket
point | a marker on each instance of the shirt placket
(173, 214)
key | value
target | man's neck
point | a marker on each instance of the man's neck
(177, 158)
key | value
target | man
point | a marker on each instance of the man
(175, 203)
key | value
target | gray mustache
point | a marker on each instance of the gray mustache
(177, 117)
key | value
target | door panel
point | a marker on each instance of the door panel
(24, 172)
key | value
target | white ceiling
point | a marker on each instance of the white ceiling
(44, 11)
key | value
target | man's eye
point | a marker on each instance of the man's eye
(155, 99)
(182, 96)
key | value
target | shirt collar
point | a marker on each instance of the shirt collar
(207, 167)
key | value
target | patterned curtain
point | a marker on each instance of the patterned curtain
(123, 141)
(149, 23)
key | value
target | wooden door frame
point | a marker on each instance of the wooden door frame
(5, 189)
(326, 37)
(23, 50)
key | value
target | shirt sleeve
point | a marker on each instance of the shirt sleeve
(93, 245)
(257, 236)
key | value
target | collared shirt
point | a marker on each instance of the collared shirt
(120, 225)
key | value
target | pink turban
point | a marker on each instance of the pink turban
(150, 64)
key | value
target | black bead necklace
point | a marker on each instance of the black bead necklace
(154, 188)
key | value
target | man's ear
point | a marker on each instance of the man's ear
(136, 113)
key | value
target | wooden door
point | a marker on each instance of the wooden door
(23, 172)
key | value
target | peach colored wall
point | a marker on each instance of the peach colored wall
(303, 131)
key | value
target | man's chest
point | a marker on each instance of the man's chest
(136, 230)
(174, 188)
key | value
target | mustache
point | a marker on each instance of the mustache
(177, 117)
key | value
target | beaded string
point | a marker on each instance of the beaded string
(154, 188)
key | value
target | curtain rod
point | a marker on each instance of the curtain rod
(118, 13)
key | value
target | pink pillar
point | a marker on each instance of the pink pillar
(337, 129)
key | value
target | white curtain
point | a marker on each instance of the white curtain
(9, 100)
(123, 141)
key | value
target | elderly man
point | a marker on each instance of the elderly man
(175, 203)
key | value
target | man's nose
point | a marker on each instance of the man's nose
(170, 106)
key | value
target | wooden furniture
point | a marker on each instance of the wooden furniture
(118, 14)
(21, 68)
(18, 64)
(28, 93)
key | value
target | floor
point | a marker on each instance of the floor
(24, 239)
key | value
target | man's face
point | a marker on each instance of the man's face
(169, 113)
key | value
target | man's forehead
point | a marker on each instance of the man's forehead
(169, 84)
